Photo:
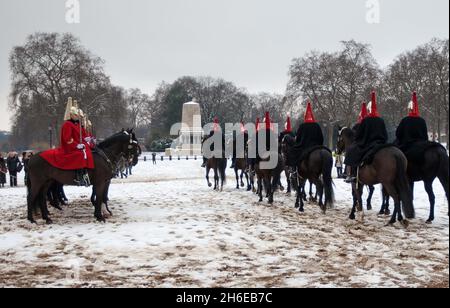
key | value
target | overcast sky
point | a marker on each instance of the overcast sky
(249, 42)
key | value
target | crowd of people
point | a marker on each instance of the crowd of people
(11, 165)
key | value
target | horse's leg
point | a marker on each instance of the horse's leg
(242, 178)
(397, 208)
(237, 178)
(369, 198)
(443, 178)
(100, 189)
(42, 199)
(432, 198)
(355, 202)
(260, 189)
(249, 186)
(208, 169)
(216, 178)
(288, 180)
(93, 196)
(270, 190)
(302, 203)
(319, 191)
(106, 200)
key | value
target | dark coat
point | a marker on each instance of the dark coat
(411, 130)
(369, 135)
(309, 135)
(412, 139)
(14, 164)
(3, 171)
(271, 138)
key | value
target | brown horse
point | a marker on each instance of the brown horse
(241, 164)
(268, 179)
(317, 169)
(219, 165)
(341, 149)
(389, 168)
(42, 174)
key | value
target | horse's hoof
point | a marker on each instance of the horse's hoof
(369, 207)
(301, 210)
(48, 221)
(57, 207)
(405, 223)
(429, 222)
(352, 217)
(32, 221)
(387, 212)
(390, 224)
(209, 185)
(381, 213)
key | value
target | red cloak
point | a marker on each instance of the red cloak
(67, 156)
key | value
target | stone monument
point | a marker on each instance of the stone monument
(189, 141)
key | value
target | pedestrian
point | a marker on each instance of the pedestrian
(154, 158)
(339, 165)
(3, 171)
(14, 167)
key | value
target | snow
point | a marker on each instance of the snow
(170, 230)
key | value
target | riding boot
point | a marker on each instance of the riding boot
(351, 175)
(204, 162)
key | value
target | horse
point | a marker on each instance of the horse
(268, 179)
(42, 175)
(133, 161)
(435, 165)
(242, 164)
(341, 149)
(317, 169)
(389, 168)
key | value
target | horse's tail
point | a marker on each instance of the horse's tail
(443, 173)
(403, 187)
(327, 169)
(222, 169)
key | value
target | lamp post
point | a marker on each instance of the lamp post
(50, 136)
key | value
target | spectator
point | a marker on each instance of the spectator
(339, 166)
(154, 158)
(14, 167)
(3, 171)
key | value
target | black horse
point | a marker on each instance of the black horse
(435, 165)
(389, 168)
(317, 169)
(42, 175)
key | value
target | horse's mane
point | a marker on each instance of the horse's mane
(112, 140)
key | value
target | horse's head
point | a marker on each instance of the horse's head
(286, 143)
(134, 149)
(123, 144)
(345, 138)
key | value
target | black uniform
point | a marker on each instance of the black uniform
(309, 135)
(412, 138)
(370, 134)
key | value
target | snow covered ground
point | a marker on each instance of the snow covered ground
(170, 230)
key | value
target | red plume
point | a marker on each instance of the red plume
(268, 121)
(288, 125)
(374, 108)
(363, 113)
(309, 116)
(415, 110)
(216, 124)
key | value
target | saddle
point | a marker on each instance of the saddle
(370, 153)
(415, 152)
(309, 151)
